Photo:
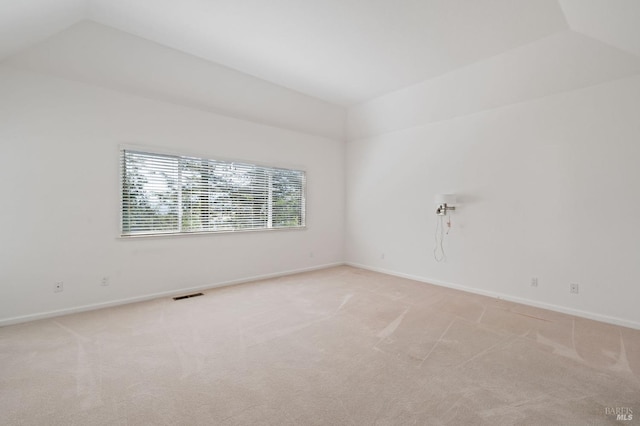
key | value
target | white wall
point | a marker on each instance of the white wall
(60, 210)
(103, 56)
(548, 187)
(554, 64)
(534, 141)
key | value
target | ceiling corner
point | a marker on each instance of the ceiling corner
(24, 24)
(614, 22)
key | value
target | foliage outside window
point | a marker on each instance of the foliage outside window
(169, 194)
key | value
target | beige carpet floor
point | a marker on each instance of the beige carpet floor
(340, 346)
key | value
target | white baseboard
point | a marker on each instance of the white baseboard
(171, 293)
(570, 311)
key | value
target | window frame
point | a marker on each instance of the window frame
(182, 154)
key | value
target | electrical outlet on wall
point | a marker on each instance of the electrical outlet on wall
(534, 282)
(104, 281)
(574, 288)
(58, 287)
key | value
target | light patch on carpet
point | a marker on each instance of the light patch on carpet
(559, 348)
(622, 363)
(393, 325)
(345, 299)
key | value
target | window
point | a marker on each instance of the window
(170, 194)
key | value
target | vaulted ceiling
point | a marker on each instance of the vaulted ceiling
(342, 51)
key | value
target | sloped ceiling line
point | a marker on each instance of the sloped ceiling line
(341, 51)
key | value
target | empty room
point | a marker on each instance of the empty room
(320, 212)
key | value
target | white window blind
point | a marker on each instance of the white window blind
(177, 194)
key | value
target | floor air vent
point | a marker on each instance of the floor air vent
(187, 296)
